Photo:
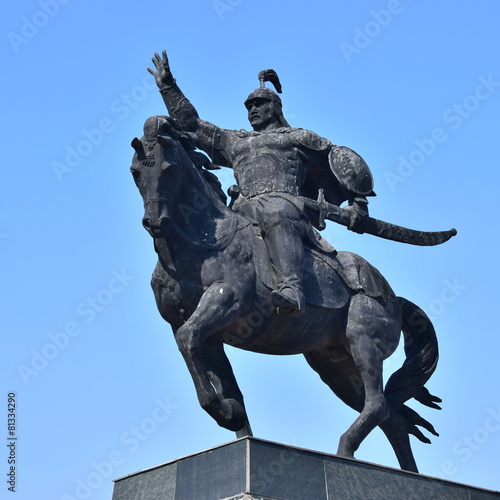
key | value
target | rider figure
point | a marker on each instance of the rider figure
(274, 166)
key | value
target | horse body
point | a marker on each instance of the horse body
(211, 284)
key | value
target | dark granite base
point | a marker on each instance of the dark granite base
(253, 469)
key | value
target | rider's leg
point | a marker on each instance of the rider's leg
(283, 230)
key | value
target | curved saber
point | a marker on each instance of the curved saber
(378, 227)
(404, 235)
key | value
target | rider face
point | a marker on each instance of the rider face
(260, 113)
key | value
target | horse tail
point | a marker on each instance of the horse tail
(421, 349)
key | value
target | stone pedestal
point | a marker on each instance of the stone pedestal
(253, 469)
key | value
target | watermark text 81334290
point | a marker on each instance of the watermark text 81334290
(11, 441)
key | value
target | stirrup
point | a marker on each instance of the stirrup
(289, 300)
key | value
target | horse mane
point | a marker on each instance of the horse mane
(197, 163)
(201, 163)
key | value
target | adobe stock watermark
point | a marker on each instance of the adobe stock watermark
(31, 26)
(86, 312)
(470, 444)
(194, 207)
(120, 109)
(453, 117)
(272, 470)
(364, 36)
(222, 7)
(130, 441)
(450, 292)
(261, 312)
(452, 289)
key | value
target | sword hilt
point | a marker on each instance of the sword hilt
(322, 209)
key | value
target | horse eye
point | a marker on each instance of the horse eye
(170, 170)
(136, 174)
(165, 141)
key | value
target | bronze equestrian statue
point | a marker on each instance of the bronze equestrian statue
(258, 276)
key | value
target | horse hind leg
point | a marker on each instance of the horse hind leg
(344, 379)
(340, 375)
(369, 332)
(395, 429)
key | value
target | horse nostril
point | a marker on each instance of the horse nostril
(164, 220)
(146, 222)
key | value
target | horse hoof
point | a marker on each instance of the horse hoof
(346, 447)
(245, 432)
(235, 417)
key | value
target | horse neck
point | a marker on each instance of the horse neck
(198, 211)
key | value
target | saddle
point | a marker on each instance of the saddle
(329, 277)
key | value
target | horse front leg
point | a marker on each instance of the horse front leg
(217, 308)
(222, 378)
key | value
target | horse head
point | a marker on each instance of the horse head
(156, 167)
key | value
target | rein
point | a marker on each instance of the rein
(153, 199)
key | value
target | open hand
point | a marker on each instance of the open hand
(163, 75)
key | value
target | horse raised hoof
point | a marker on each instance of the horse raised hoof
(234, 417)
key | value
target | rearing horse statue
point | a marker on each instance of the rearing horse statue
(211, 284)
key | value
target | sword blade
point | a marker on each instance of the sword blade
(380, 228)
(405, 235)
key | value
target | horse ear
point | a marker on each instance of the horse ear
(136, 144)
(165, 141)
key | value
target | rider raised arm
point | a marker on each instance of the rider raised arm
(212, 139)
(176, 102)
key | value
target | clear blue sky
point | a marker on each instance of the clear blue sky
(102, 391)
